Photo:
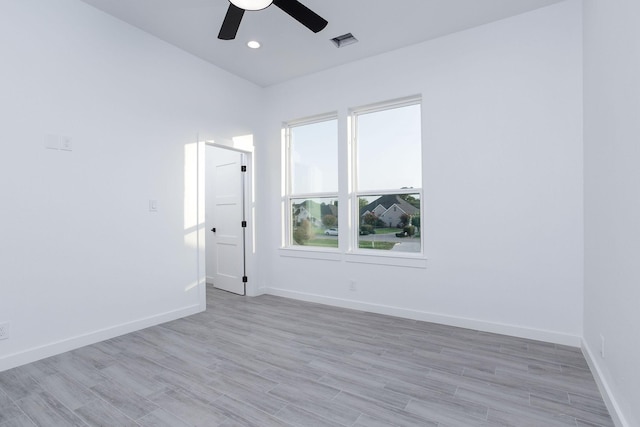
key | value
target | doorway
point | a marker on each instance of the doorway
(226, 219)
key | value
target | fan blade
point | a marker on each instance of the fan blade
(302, 14)
(231, 23)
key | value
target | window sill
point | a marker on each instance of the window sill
(415, 261)
(311, 253)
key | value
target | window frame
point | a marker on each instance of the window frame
(288, 196)
(355, 194)
(347, 195)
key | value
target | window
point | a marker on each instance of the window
(387, 177)
(312, 193)
(381, 183)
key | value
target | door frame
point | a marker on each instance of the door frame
(239, 145)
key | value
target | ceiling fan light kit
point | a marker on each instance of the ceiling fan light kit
(293, 8)
(251, 4)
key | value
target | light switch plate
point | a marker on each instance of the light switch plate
(52, 142)
(4, 330)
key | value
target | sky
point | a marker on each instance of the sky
(388, 152)
(389, 149)
(314, 152)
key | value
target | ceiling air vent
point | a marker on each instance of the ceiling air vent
(344, 40)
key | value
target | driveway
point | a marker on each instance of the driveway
(407, 246)
(403, 244)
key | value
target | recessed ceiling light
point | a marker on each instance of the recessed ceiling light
(253, 44)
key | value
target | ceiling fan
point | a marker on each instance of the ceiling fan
(294, 8)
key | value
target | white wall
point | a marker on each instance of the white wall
(502, 147)
(81, 256)
(612, 205)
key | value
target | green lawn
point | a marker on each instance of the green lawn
(327, 243)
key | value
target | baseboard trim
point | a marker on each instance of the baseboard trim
(605, 390)
(497, 328)
(51, 349)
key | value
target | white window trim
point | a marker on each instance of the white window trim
(287, 194)
(386, 105)
(346, 195)
(354, 243)
(354, 251)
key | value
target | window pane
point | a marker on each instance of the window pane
(389, 149)
(314, 222)
(390, 222)
(314, 157)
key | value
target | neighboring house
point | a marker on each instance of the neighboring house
(390, 209)
(393, 215)
(379, 210)
(300, 213)
(313, 212)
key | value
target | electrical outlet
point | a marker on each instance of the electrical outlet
(66, 144)
(602, 346)
(4, 330)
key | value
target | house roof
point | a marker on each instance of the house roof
(389, 200)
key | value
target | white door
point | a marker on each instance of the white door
(224, 215)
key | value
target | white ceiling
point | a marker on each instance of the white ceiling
(290, 50)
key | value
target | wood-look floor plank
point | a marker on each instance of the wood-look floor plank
(45, 410)
(67, 391)
(9, 412)
(269, 361)
(190, 408)
(162, 418)
(21, 421)
(296, 416)
(124, 399)
(99, 413)
(17, 384)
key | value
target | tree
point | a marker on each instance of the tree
(410, 199)
(415, 221)
(370, 219)
(303, 232)
(366, 229)
(409, 230)
(329, 220)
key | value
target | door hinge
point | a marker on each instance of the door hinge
(244, 224)
(244, 279)
(243, 168)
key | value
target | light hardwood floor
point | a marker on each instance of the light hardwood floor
(270, 361)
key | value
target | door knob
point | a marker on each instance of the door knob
(213, 229)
